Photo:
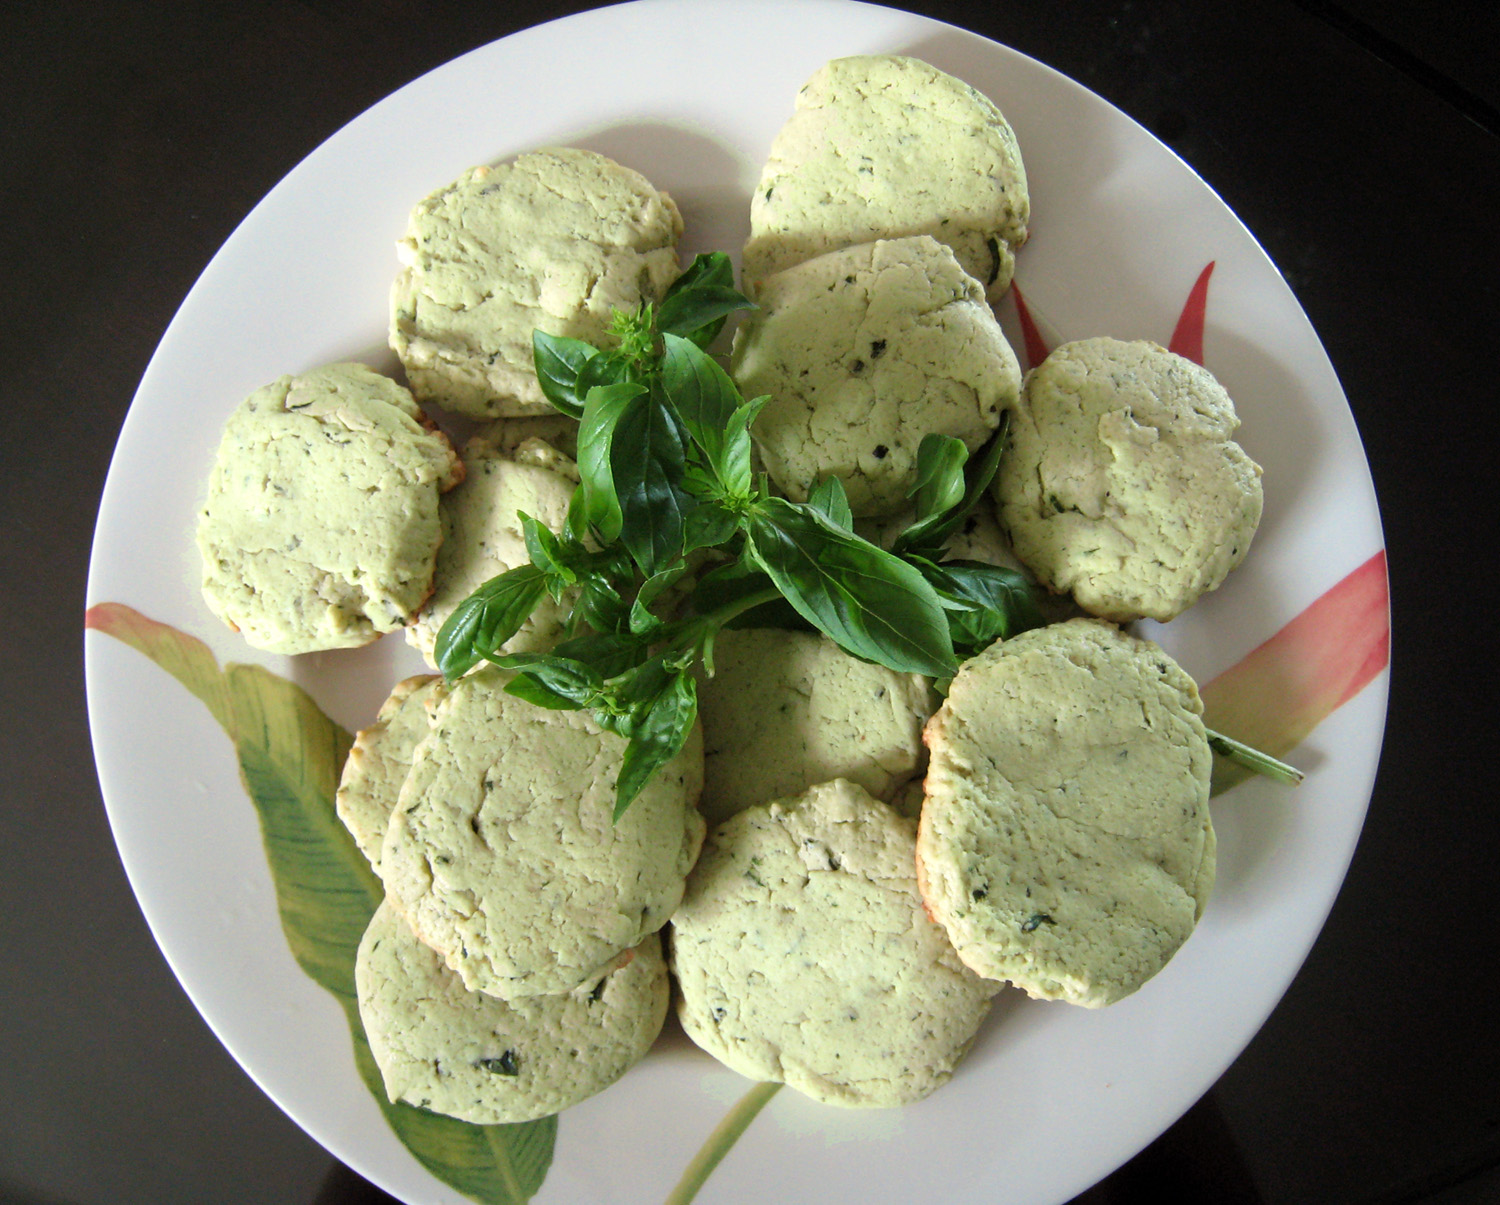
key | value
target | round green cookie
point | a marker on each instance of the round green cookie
(786, 710)
(885, 146)
(321, 524)
(380, 760)
(804, 956)
(442, 1047)
(483, 537)
(863, 351)
(554, 241)
(1123, 484)
(503, 852)
(1065, 843)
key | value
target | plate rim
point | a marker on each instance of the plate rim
(1377, 692)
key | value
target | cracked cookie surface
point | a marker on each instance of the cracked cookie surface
(552, 241)
(1123, 484)
(863, 351)
(320, 526)
(1065, 842)
(886, 146)
(442, 1047)
(804, 956)
(503, 853)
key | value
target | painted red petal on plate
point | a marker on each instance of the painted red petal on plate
(1187, 339)
(1036, 346)
(1319, 661)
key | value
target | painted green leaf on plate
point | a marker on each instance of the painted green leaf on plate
(290, 756)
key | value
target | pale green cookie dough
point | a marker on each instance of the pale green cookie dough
(1123, 484)
(882, 146)
(483, 537)
(863, 352)
(803, 954)
(442, 1047)
(554, 240)
(380, 758)
(786, 710)
(321, 522)
(502, 852)
(1065, 842)
(557, 431)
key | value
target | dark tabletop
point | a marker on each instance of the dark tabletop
(1357, 140)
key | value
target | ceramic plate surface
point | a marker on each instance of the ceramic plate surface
(1052, 1097)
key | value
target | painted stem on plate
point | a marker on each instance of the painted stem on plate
(718, 1144)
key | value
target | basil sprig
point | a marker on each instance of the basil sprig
(666, 470)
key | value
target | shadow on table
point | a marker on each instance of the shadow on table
(343, 1187)
(1195, 1160)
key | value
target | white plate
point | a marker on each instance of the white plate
(1052, 1097)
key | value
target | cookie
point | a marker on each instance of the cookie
(554, 241)
(803, 954)
(442, 1047)
(786, 710)
(885, 146)
(503, 853)
(320, 528)
(1065, 843)
(556, 431)
(862, 352)
(483, 537)
(1123, 484)
(380, 759)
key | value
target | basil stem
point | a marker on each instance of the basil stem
(1253, 759)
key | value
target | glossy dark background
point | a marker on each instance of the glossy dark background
(1357, 140)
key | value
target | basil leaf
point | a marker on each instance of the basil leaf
(708, 525)
(547, 680)
(487, 619)
(985, 603)
(700, 391)
(727, 584)
(869, 602)
(699, 300)
(926, 537)
(607, 368)
(599, 605)
(533, 691)
(559, 363)
(701, 481)
(631, 691)
(733, 466)
(609, 653)
(647, 458)
(939, 484)
(629, 694)
(658, 735)
(699, 314)
(599, 506)
(577, 524)
(641, 619)
(547, 554)
(707, 268)
(829, 497)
